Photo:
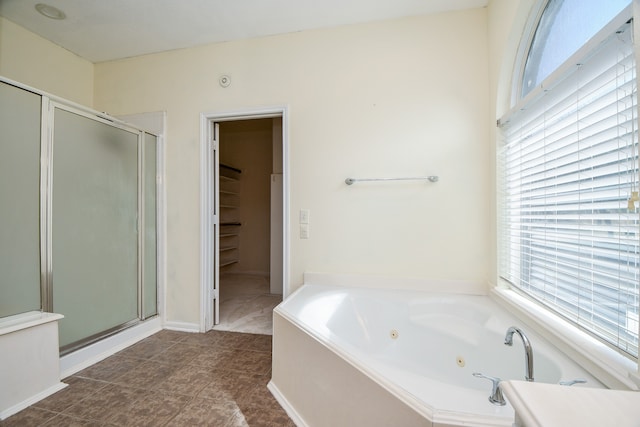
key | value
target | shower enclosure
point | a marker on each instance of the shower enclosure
(78, 232)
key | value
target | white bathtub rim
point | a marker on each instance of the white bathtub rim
(611, 368)
(432, 414)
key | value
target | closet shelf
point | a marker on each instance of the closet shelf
(229, 168)
(229, 235)
(229, 191)
(229, 172)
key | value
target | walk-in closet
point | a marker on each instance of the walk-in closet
(250, 235)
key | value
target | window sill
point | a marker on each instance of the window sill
(613, 369)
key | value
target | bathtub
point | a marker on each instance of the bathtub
(377, 357)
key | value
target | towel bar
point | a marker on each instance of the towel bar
(431, 178)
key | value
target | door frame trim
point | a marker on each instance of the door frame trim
(206, 238)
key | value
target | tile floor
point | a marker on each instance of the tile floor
(174, 379)
(246, 304)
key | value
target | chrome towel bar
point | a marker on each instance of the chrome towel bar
(432, 178)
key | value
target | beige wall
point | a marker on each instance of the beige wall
(403, 97)
(507, 21)
(36, 62)
(247, 145)
(397, 98)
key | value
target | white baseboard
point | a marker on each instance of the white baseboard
(94, 353)
(182, 326)
(31, 400)
(291, 412)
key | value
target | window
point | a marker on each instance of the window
(565, 26)
(569, 228)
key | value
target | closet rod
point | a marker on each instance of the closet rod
(431, 178)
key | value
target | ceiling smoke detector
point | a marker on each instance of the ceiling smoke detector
(50, 11)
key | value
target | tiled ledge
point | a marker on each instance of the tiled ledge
(30, 319)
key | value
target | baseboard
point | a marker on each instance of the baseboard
(94, 353)
(291, 412)
(182, 326)
(31, 400)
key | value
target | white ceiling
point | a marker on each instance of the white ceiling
(103, 30)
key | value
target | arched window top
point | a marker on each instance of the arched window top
(564, 27)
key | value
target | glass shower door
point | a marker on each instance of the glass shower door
(94, 227)
(19, 200)
(150, 190)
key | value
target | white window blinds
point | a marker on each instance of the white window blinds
(569, 194)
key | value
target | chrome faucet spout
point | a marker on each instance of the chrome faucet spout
(528, 351)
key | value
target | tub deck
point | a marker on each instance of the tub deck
(353, 356)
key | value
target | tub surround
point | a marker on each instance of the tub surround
(29, 360)
(381, 351)
(550, 405)
(316, 388)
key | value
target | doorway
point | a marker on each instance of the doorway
(249, 179)
(244, 199)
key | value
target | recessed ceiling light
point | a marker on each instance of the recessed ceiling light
(50, 11)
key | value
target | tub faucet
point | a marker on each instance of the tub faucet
(496, 397)
(528, 351)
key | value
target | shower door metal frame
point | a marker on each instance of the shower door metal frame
(48, 106)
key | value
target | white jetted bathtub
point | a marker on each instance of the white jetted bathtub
(373, 357)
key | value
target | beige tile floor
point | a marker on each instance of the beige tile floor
(169, 379)
(246, 304)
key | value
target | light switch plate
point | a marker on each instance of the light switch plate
(304, 216)
(304, 231)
